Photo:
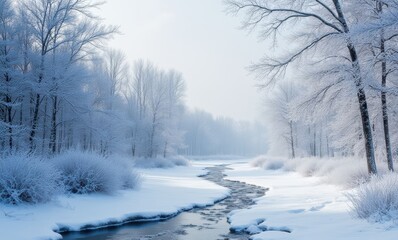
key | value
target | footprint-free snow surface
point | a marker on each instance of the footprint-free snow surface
(198, 223)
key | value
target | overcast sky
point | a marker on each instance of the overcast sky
(197, 38)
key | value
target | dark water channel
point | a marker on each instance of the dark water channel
(208, 223)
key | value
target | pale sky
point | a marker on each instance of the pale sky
(197, 38)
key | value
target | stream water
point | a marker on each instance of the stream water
(209, 223)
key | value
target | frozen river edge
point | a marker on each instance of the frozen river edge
(164, 193)
(210, 221)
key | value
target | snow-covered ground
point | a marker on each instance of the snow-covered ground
(303, 206)
(295, 207)
(162, 192)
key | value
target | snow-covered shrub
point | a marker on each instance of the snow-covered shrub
(268, 163)
(347, 174)
(305, 166)
(258, 162)
(327, 166)
(161, 162)
(291, 164)
(129, 178)
(25, 179)
(377, 199)
(308, 166)
(274, 164)
(84, 173)
(179, 161)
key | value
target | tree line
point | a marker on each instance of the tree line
(62, 87)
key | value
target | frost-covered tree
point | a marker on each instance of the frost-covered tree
(63, 33)
(11, 80)
(155, 103)
(62, 88)
(279, 113)
(377, 33)
(317, 25)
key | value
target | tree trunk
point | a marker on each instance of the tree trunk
(133, 149)
(151, 140)
(292, 139)
(314, 141)
(384, 95)
(367, 131)
(363, 105)
(43, 138)
(165, 150)
(53, 135)
(320, 141)
(35, 122)
(327, 145)
(364, 110)
(387, 132)
(9, 122)
(21, 111)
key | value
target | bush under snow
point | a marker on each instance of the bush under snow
(84, 173)
(129, 178)
(374, 198)
(346, 172)
(161, 162)
(25, 179)
(268, 163)
(377, 199)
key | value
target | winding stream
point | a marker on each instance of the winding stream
(208, 223)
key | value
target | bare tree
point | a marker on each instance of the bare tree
(278, 105)
(116, 69)
(319, 22)
(175, 88)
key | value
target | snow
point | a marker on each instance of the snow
(253, 229)
(297, 207)
(163, 192)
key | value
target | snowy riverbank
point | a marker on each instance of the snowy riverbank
(303, 206)
(163, 192)
(295, 207)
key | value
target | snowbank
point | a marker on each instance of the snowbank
(345, 172)
(159, 162)
(162, 193)
(298, 207)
